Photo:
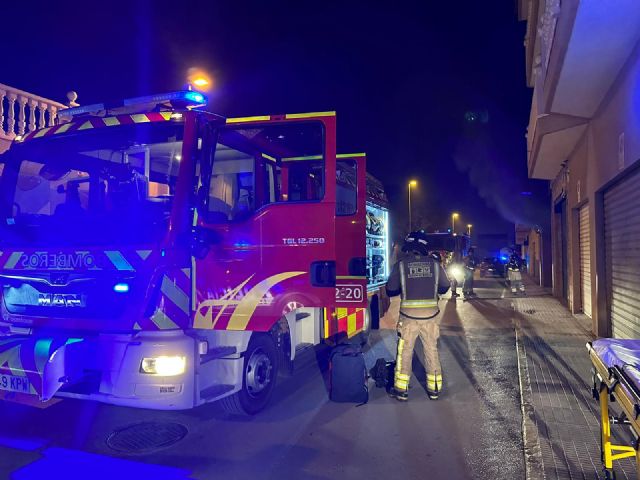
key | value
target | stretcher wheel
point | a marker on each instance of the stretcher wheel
(609, 474)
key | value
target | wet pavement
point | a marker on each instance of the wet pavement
(472, 432)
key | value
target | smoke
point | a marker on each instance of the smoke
(499, 180)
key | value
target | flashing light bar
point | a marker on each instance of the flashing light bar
(197, 99)
(189, 97)
(70, 112)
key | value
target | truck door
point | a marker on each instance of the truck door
(349, 316)
(266, 218)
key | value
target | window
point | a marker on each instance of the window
(346, 187)
(253, 167)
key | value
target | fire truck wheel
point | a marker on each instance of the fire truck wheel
(258, 378)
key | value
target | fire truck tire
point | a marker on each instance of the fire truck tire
(259, 376)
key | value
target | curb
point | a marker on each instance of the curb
(531, 443)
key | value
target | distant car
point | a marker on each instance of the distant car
(491, 267)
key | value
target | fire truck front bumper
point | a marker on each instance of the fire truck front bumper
(153, 370)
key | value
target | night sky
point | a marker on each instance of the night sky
(401, 77)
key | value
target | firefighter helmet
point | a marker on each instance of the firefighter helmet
(416, 242)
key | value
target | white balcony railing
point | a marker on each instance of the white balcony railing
(22, 112)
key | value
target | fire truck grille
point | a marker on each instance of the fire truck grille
(146, 437)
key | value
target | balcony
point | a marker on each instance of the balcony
(22, 112)
(579, 49)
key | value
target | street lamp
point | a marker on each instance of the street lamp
(469, 229)
(412, 183)
(199, 79)
(453, 222)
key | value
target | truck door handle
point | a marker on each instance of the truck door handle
(358, 266)
(323, 273)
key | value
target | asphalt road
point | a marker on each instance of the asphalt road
(472, 432)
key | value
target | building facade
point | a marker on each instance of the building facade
(583, 63)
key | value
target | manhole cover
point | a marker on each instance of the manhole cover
(146, 436)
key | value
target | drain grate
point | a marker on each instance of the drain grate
(531, 311)
(146, 437)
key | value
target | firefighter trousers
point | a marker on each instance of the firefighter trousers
(408, 332)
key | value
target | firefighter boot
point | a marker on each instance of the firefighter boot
(400, 395)
(434, 385)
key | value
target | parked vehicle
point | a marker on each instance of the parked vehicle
(491, 267)
(156, 255)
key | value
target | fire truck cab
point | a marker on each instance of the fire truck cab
(156, 255)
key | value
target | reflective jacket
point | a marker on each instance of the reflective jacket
(515, 264)
(419, 280)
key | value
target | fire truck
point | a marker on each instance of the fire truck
(156, 255)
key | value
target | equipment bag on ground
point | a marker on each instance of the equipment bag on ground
(348, 375)
(382, 373)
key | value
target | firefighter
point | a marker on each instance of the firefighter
(419, 279)
(454, 266)
(514, 274)
(469, 268)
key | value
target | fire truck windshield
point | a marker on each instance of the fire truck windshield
(108, 185)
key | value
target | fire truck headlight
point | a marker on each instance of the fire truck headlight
(164, 366)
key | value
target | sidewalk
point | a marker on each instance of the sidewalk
(562, 437)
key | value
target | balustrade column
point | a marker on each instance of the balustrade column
(11, 119)
(3, 93)
(32, 114)
(53, 113)
(42, 108)
(22, 124)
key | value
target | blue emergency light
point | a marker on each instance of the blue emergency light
(191, 97)
(121, 287)
(182, 98)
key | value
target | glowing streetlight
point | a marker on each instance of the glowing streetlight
(453, 221)
(469, 229)
(199, 79)
(412, 183)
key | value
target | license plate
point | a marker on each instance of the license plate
(12, 383)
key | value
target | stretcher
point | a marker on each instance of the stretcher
(616, 378)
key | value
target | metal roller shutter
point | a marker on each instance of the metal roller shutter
(585, 260)
(622, 253)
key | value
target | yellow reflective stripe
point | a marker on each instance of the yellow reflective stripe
(310, 115)
(350, 277)
(175, 294)
(111, 121)
(85, 126)
(162, 321)
(260, 118)
(40, 133)
(418, 303)
(303, 158)
(350, 155)
(166, 115)
(268, 157)
(139, 118)
(351, 323)
(247, 306)
(402, 376)
(64, 128)
(401, 385)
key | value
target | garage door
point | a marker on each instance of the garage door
(622, 253)
(585, 260)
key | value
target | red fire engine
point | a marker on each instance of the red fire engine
(156, 255)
